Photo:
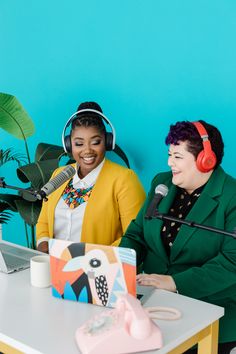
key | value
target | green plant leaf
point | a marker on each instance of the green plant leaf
(4, 217)
(48, 152)
(9, 201)
(29, 211)
(3, 206)
(8, 155)
(13, 117)
(37, 173)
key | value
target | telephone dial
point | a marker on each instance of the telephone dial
(125, 329)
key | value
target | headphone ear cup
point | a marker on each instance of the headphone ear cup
(206, 162)
(109, 141)
(67, 142)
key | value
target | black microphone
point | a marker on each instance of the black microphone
(160, 192)
(55, 182)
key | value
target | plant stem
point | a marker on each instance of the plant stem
(26, 234)
(27, 150)
(33, 237)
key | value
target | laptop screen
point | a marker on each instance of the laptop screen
(90, 273)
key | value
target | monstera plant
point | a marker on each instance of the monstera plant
(6, 156)
(38, 173)
(16, 121)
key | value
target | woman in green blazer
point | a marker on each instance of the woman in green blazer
(195, 262)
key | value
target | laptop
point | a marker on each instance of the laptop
(92, 273)
(14, 258)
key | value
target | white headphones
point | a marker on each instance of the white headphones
(110, 138)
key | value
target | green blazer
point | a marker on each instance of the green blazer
(202, 263)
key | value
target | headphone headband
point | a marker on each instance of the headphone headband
(201, 130)
(70, 120)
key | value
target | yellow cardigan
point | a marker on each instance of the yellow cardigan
(115, 200)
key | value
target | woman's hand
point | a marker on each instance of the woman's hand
(43, 247)
(159, 281)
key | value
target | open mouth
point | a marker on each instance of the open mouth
(89, 160)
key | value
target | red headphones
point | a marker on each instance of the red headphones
(206, 159)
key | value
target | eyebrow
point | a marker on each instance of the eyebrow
(175, 153)
(92, 137)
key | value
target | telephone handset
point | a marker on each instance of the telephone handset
(137, 323)
(125, 329)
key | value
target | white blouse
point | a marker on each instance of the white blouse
(68, 222)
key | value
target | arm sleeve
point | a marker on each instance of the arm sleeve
(130, 198)
(217, 275)
(134, 236)
(42, 229)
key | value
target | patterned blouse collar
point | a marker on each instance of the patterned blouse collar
(195, 193)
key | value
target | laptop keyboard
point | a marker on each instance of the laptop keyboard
(13, 262)
(24, 253)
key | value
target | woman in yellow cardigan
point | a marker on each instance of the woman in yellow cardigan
(98, 203)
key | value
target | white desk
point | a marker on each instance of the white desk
(34, 322)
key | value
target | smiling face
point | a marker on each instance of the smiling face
(88, 148)
(184, 168)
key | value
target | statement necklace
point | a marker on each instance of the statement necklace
(75, 197)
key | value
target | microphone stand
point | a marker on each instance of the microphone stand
(4, 185)
(160, 216)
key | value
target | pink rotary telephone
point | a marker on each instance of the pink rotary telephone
(125, 329)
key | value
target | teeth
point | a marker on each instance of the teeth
(88, 159)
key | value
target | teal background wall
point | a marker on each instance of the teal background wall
(148, 63)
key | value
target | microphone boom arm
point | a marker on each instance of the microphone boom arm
(54, 183)
(160, 216)
(4, 185)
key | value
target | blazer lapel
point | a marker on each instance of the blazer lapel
(200, 211)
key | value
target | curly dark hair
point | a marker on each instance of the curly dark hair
(89, 119)
(186, 131)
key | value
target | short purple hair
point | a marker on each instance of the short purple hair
(186, 131)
